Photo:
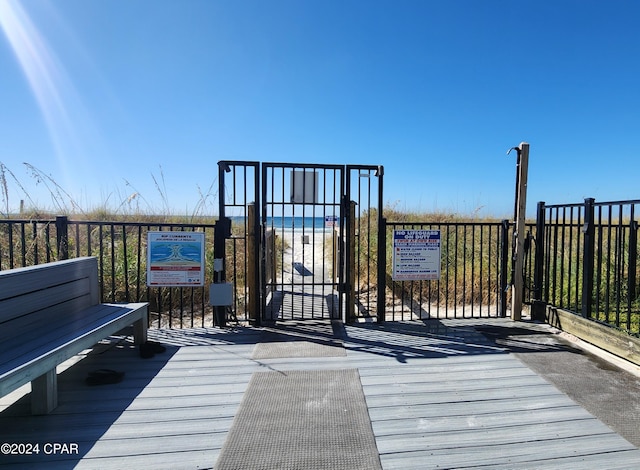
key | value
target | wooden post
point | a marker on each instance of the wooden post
(521, 207)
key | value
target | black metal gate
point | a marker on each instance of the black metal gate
(303, 225)
(300, 241)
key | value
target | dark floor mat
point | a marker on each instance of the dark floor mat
(275, 350)
(302, 420)
(300, 339)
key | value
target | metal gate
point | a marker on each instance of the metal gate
(300, 241)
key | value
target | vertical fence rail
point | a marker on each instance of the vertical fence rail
(504, 257)
(588, 231)
(62, 237)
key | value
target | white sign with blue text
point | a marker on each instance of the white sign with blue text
(416, 255)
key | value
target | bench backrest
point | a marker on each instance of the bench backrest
(68, 285)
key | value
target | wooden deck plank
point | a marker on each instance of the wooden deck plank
(198, 459)
(488, 437)
(478, 422)
(170, 460)
(211, 419)
(551, 453)
(386, 398)
(551, 403)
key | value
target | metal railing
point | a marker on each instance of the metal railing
(580, 257)
(474, 275)
(122, 257)
(588, 260)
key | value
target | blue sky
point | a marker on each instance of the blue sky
(104, 96)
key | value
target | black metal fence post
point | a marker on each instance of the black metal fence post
(588, 229)
(538, 305)
(221, 232)
(382, 268)
(539, 259)
(504, 256)
(62, 237)
(633, 260)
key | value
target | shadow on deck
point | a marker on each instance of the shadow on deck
(438, 392)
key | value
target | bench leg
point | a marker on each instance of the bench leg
(44, 393)
(140, 331)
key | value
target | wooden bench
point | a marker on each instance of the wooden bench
(48, 314)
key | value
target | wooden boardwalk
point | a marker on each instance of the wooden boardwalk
(439, 396)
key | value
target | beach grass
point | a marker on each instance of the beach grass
(469, 249)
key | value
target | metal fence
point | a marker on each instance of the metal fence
(474, 276)
(121, 251)
(588, 260)
(578, 257)
(476, 268)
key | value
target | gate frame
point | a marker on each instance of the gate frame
(381, 248)
(256, 230)
(223, 233)
(265, 166)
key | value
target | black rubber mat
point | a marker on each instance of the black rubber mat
(275, 350)
(308, 338)
(302, 420)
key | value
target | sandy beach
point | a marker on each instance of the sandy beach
(311, 261)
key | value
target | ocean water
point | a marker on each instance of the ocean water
(297, 223)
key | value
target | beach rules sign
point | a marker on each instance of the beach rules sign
(416, 255)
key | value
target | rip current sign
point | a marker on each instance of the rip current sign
(175, 259)
(416, 255)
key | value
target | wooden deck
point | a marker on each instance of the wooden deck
(439, 396)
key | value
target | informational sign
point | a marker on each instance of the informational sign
(330, 220)
(416, 255)
(175, 259)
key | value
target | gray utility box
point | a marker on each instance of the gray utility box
(221, 294)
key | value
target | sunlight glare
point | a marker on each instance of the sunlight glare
(49, 83)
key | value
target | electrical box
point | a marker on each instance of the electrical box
(221, 294)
